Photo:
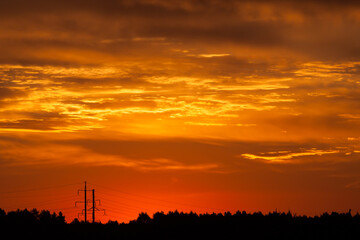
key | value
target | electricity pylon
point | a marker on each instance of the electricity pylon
(93, 208)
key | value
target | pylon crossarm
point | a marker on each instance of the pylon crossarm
(88, 210)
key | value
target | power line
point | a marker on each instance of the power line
(141, 201)
(52, 201)
(122, 206)
(126, 208)
(161, 200)
(39, 189)
(28, 195)
(93, 208)
(121, 211)
(43, 204)
(60, 209)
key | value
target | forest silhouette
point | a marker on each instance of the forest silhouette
(25, 224)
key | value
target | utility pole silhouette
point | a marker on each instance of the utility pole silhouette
(93, 208)
(85, 201)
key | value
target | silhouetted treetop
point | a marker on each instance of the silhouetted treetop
(180, 225)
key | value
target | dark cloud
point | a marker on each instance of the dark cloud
(29, 124)
(135, 78)
(121, 104)
(322, 30)
(157, 7)
(39, 120)
(7, 93)
(188, 151)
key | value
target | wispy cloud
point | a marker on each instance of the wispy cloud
(282, 157)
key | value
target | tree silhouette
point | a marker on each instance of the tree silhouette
(143, 218)
(24, 224)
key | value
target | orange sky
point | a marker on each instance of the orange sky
(189, 105)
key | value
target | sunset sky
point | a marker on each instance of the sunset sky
(202, 105)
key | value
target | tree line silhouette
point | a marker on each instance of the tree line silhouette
(24, 224)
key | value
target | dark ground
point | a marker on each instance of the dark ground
(24, 224)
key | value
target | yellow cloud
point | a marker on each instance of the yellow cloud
(281, 158)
